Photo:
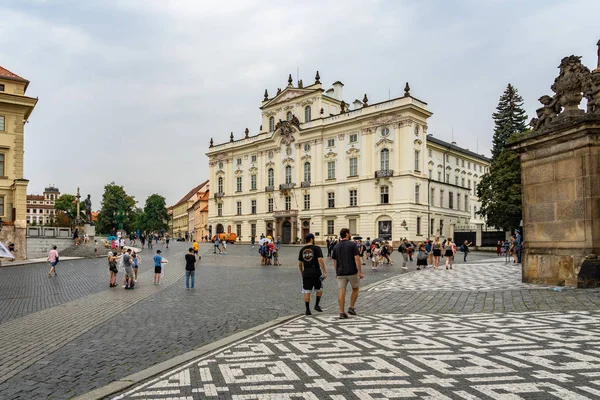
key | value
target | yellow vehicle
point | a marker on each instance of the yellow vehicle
(225, 237)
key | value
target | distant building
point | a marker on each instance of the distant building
(181, 217)
(40, 208)
(318, 165)
(200, 208)
(15, 110)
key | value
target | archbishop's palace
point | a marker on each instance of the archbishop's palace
(318, 165)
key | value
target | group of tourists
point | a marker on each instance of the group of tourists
(126, 261)
(268, 250)
(511, 248)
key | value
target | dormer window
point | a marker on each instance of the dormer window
(1, 87)
(307, 112)
(271, 124)
(385, 131)
(289, 116)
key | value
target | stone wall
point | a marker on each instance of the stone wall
(38, 247)
(11, 234)
(561, 201)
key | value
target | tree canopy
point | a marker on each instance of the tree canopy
(116, 207)
(66, 210)
(155, 213)
(500, 189)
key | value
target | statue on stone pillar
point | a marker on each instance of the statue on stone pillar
(88, 209)
(570, 84)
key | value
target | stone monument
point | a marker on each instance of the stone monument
(89, 226)
(560, 175)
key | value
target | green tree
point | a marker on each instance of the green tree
(509, 119)
(500, 189)
(155, 213)
(116, 206)
(67, 203)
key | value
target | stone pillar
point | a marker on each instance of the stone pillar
(478, 235)
(560, 174)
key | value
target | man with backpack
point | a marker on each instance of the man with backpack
(403, 250)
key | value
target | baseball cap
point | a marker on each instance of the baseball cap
(309, 237)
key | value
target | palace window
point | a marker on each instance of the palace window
(450, 200)
(331, 200)
(385, 131)
(288, 174)
(352, 226)
(430, 153)
(2, 90)
(474, 188)
(1, 123)
(220, 209)
(1, 206)
(417, 153)
(353, 198)
(2, 160)
(469, 165)
(439, 176)
(353, 166)
(456, 180)
(418, 226)
(253, 229)
(307, 172)
(469, 184)
(307, 201)
(271, 124)
(432, 197)
(330, 169)
(431, 226)
(384, 158)
(447, 158)
(252, 182)
(462, 163)
(330, 142)
(270, 204)
(239, 161)
(441, 198)
(447, 178)
(288, 203)
(270, 177)
(238, 230)
(289, 116)
(353, 137)
(466, 202)
(220, 185)
(239, 208)
(384, 195)
(330, 227)
(417, 193)
(307, 112)
(253, 206)
(253, 158)
(238, 184)
(458, 201)
(441, 227)
(462, 182)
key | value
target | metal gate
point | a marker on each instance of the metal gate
(491, 237)
(287, 232)
(462, 233)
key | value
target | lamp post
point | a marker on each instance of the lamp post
(120, 215)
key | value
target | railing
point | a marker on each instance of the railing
(269, 188)
(286, 186)
(285, 213)
(305, 184)
(219, 195)
(384, 173)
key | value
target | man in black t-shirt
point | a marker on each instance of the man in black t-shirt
(346, 261)
(190, 268)
(312, 269)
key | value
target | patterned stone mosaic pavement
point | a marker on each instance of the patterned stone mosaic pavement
(534, 355)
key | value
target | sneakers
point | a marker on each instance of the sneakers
(351, 311)
(405, 268)
(318, 308)
(418, 268)
(343, 315)
(307, 312)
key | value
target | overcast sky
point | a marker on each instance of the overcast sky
(132, 91)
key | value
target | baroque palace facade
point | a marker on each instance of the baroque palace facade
(318, 166)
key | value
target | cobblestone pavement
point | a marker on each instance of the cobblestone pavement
(416, 336)
(68, 335)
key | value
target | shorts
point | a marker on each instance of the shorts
(437, 252)
(195, 251)
(449, 253)
(310, 282)
(129, 272)
(343, 280)
(157, 269)
(422, 262)
(53, 263)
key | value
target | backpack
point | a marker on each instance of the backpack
(462, 248)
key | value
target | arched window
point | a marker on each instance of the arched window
(385, 159)
(288, 174)
(306, 172)
(220, 185)
(307, 111)
(289, 116)
(271, 124)
(270, 177)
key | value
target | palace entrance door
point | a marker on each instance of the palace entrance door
(286, 229)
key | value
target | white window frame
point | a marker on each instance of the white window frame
(353, 166)
(330, 169)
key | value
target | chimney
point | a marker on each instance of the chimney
(338, 90)
(329, 93)
(357, 104)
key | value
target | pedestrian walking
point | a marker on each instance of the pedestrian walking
(253, 240)
(190, 268)
(122, 243)
(167, 239)
(136, 262)
(195, 248)
(437, 252)
(499, 248)
(465, 249)
(112, 269)
(449, 252)
(158, 265)
(312, 270)
(217, 242)
(95, 247)
(346, 262)
(53, 260)
(403, 250)
(428, 249)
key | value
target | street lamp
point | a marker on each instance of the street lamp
(404, 225)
